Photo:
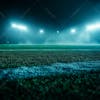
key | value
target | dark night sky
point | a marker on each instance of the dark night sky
(53, 14)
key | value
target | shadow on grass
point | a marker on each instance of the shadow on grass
(84, 86)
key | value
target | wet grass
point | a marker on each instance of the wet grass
(83, 86)
(75, 86)
(10, 59)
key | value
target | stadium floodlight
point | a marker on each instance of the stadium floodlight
(58, 31)
(73, 31)
(19, 27)
(41, 31)
(93, 27)
(14, 25)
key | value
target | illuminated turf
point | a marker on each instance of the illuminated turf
(54, 69)
(13, 47)
(23, 66)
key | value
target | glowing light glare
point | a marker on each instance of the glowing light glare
(41, 31)
(19, 27)
(93, 27)
(73, 31)
(58, 31)
(14, 25)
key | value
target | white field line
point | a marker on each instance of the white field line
(54, 69)
(49, 49)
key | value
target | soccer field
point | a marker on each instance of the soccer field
(29, 71)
